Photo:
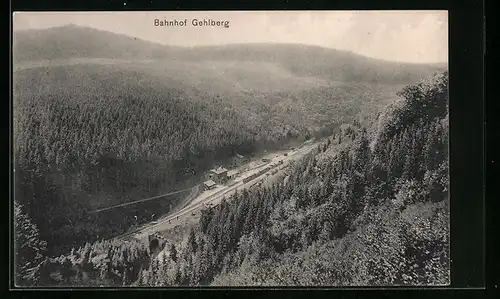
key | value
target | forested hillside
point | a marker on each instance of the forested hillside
(346, 215)
(102, 119)
(360, 210)
(90, 137)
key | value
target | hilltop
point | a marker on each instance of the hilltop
(301, 60)
(73, 41)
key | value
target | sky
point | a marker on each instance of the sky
(404, 36)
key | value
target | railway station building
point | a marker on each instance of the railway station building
(218, 175)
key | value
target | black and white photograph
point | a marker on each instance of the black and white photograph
(178, 149)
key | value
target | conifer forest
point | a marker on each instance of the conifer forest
(364, 202)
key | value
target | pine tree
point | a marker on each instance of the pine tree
(325, 234)
(30, 249)
(362, 153)
(66, 270)
(304, 240)
(173, 252)
(248, 225)
(396, 158)
(432, 154)
(153, 278)
(125, 280)
(146, 277)
(409, 163)
(192, 246)
(163, 270)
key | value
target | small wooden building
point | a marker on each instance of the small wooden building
(208, 185)
(232, 174)
(238, 161)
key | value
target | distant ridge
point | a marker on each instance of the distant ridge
(71, 41)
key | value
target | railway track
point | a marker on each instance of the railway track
(190, 208)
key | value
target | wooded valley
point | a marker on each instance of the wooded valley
(370, 206)
(112, 124)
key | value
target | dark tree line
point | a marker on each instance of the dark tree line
(103, 263)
